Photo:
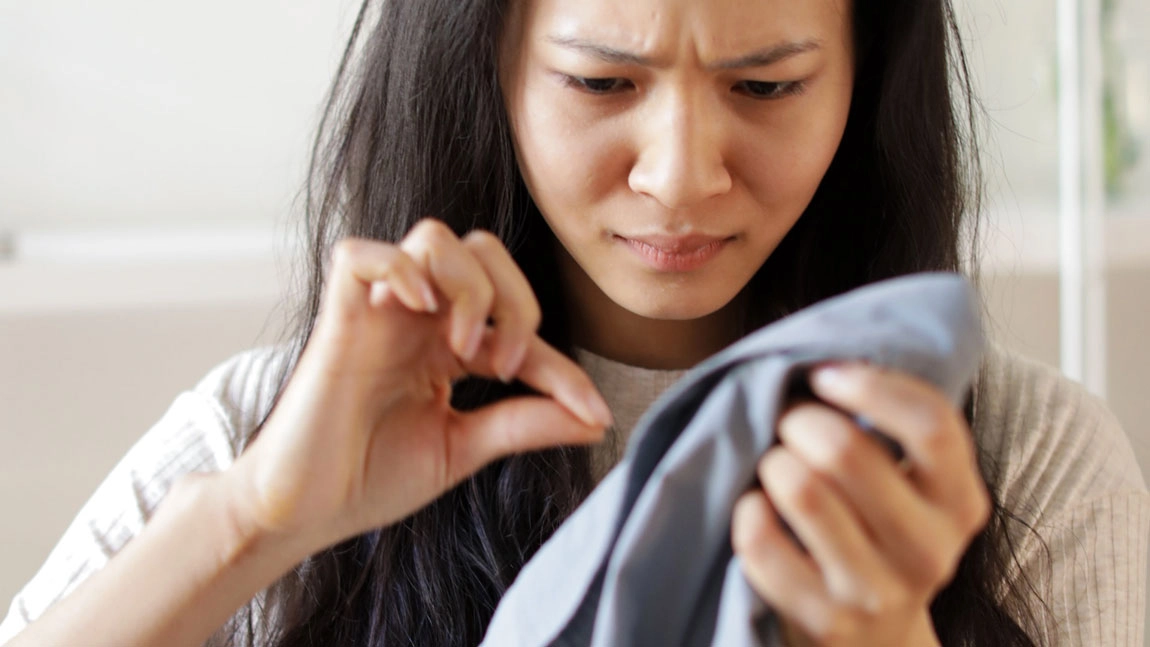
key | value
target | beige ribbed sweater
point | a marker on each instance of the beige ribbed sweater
(1066, 468)
(1057, 459)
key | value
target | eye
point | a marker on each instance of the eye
(769, 89)
(597, 86)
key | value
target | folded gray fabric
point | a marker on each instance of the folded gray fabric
(646, 560)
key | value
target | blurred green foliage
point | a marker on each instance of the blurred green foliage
(1119, 147)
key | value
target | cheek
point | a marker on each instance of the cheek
(786, 167)
(788, 176)
(566, 161)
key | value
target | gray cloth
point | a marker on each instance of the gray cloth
(646, 560)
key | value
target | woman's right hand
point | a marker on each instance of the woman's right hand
(364, 433)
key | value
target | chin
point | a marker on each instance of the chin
(671, 306)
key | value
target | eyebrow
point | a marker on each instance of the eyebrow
(758, 58)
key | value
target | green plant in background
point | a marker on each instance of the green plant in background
(1119, 147)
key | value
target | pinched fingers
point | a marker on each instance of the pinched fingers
(555, 375)
(478, 280)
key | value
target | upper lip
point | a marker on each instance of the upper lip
(677, 244)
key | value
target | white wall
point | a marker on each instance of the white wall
(145, 112)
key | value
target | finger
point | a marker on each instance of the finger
(510, 426)
(553, 374)
(854, 571)
(459, 276)
(921, 419)
(785, 578)
(913, 535)
(361, 268)
(515, 310)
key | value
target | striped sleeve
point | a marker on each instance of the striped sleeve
(1092, 572)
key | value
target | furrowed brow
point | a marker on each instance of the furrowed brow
(769, 55)
(759, 58)
(602, 52)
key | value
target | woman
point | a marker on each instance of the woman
(660, 177)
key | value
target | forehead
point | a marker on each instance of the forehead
(712, 28)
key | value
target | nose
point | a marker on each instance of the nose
(680, 161)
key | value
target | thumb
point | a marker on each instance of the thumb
(511, 426)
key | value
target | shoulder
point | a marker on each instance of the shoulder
(1046, 444)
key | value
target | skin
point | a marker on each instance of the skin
(364, 434)
(681, 143)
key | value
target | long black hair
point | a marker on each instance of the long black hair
(416, 126)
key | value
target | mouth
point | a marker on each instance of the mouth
(676, 253)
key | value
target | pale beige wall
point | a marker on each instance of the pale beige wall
(77, 389)
(1024, 316)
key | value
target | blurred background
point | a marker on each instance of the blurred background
(151, 155)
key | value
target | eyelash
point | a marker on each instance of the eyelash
(776, 89)
(753, 89)
(587, 84)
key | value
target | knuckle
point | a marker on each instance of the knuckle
(484, 240)
(804, 493)
(843, 454)
(345, 251)
(483, 292)
(429, 227)
(431, 233)
(939, 434)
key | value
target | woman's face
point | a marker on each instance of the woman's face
(671, 144)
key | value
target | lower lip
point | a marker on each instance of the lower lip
(665, 261)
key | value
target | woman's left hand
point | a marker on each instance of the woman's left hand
(881, 539)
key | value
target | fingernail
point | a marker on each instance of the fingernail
(429, 302)
(513, 363)
(378, 294)
(831, 377)
(459, 335)
(600, 412)
(474, 341)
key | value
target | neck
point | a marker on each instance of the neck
(609, 330)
